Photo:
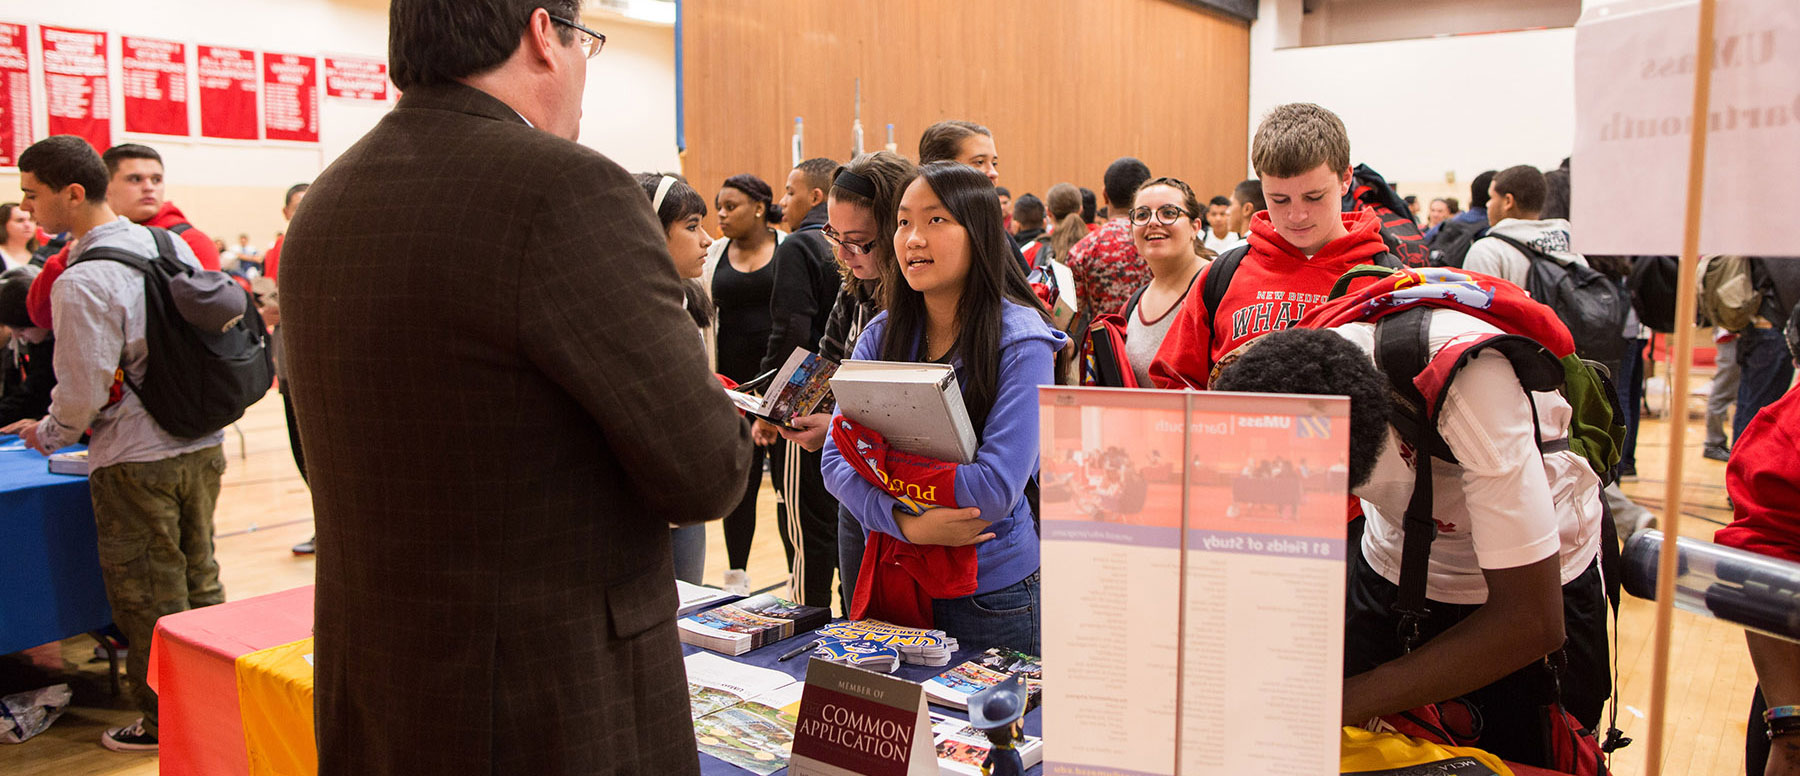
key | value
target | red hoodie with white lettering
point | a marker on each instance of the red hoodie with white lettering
(1273, 287)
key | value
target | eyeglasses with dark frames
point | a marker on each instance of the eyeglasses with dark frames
(591, 41)
(854, 249)
(1165, 215)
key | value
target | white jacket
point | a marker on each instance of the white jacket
(1493, 256)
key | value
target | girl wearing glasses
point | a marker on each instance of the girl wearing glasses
(956, 296)
(1165, 227)
(861, 207)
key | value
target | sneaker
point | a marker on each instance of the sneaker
(737, 582)
(1716, 453)
(305, 547)
(131, 738)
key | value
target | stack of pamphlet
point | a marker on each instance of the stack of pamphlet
(953, 687)
(860, 653)
(918, 646)
(69, 463)
(748, 624)
(697, 597)
(743, 715)
(960, 748)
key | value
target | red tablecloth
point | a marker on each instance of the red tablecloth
(193, 670)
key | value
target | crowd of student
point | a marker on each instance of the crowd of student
(929, 261)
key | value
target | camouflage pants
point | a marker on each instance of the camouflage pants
(155, 524)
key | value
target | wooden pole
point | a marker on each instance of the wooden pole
(1681, 359)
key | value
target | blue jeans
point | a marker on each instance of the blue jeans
(689, 545)
(1767, 368)
(850, 543)
(1007, 617)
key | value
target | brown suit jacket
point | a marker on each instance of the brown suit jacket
(503, 407)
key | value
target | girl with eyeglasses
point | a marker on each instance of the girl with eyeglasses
(1166, 228)
(955, 296)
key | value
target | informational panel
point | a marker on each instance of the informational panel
(78, 100)
(356, 79)
(154, 74)
(15, 93)
(227, 80)
(1237, 670)
(1634, 92)
(290, 97)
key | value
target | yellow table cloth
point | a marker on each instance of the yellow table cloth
(275, 697)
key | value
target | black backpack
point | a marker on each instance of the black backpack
(1398, 229)
(1591, 304)
(1452, 242)
(1654, 283)
(195, 382)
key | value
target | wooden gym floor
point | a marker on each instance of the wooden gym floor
(264, 509)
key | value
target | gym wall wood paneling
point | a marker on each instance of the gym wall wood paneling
(1067, 86)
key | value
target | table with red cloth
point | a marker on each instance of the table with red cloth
(193, 668)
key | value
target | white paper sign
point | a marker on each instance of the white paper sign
(1634, 91)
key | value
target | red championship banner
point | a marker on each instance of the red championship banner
(227, 92)
(15, 94)
(356, 79)
(154, 74)
(77, 97)
(290, 97)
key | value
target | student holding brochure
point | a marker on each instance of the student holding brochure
(970, 565)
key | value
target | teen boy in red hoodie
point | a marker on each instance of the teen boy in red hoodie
(1298, 247)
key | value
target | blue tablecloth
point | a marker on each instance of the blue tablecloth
(769, 657)
(50, 585)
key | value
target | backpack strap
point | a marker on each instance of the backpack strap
(1131, 304)
(1531, 252)
(179, 228)
(1401, 341)
(1218, 278)
(1373, 271)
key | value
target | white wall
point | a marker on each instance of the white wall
(228, 187)
(1419, 109)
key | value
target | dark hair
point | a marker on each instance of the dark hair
(1065, 209)
(296, 189)
(15, 284)
(1028, 209)
(994, 278)
(818, 172)
(440, 41)
(6, 211)
(1525, 184)
(1319, 362)
(124, 151)
(1087, 205)
(889, 173)
(1411, 199)
(1556, 194)
(758, 190)
(1123, 177)
(1219, 200)
(1003, 191)
(678, 204)
(943, 140)
(1450, 204)
(1792, 331)
(1251, 191)
(1478, 189)
(60, 160)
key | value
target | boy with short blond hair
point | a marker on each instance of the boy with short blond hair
(1297, 248)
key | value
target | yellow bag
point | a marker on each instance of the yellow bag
(1392, 754)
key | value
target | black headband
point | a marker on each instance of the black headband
(855, 184)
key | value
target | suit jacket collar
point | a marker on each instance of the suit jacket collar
(460, 98)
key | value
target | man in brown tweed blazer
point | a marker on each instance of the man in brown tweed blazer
(503, 407)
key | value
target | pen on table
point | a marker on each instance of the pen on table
(798, 651)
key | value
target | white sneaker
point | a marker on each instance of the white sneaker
(737, 582)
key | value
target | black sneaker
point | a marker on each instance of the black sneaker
(1716, 453)
(305, 547)
(131, 738)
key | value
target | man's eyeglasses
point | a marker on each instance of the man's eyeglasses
(591, 41)
(1165, 215)
(854, 249)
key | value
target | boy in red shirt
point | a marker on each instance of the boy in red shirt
(1298, 247)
